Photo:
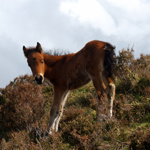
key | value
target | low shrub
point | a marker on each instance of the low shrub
(24, 104)
(140, 139)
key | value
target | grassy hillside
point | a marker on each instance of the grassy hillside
(25, 107)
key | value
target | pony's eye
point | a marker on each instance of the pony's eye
(34, 59)
(42, 61)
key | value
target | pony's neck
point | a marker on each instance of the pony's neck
(50, 61)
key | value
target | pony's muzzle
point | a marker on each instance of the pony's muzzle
(39, 79)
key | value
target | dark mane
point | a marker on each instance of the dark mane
(56, 52)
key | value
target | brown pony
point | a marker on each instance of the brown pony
(94, 62)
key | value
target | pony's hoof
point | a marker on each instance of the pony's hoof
(46, 134)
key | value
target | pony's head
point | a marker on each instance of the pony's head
(35, 61)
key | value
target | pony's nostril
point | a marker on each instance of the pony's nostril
(39, 79)
(36, 78)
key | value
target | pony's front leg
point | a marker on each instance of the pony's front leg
(64, 98)
(55, 110)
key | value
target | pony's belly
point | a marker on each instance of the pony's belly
(78, 81)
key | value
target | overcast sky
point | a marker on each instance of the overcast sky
(68, 25)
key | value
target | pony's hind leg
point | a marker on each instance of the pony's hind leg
(100, 87)
(111, 93)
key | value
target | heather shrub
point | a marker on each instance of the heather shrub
(21, 141)
(124, 60)
(140, 139)
(24, 104)
(132, 75)
(123, 73)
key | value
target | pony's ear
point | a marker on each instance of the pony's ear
(38, 47)
(25, 50)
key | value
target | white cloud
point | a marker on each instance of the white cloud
(111, 17)
(90, 12)
(125, 21)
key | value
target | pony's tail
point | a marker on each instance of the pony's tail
(110, 61)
